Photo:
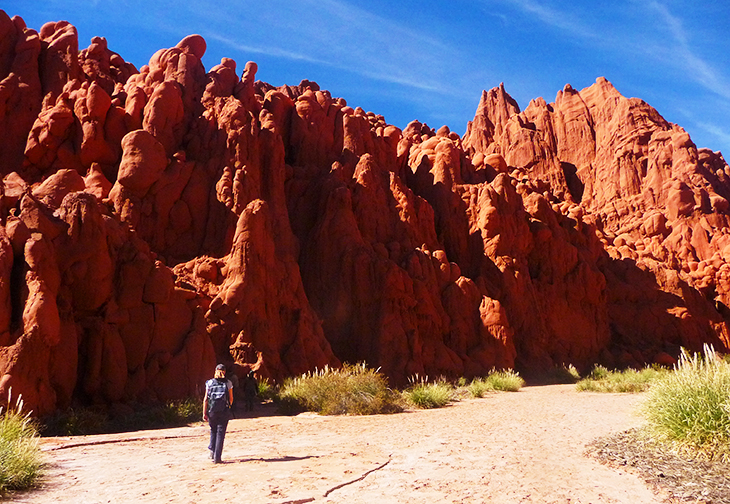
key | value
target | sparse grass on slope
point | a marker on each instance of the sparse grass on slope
(628, 380)
(690, 407)
(20, 459)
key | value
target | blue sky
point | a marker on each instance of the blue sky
(430, 60)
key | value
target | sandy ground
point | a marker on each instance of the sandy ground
(519, 447)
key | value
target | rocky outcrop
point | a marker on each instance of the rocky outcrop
(157, 221)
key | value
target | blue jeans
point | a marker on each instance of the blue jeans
(218, 422)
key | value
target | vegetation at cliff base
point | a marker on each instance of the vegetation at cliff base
(91, 420)
(423, 394)
(358, 390)
(353, 389)
(690, 407)
(630, 380)
(20, 459)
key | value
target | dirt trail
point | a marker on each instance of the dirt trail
(506, 448)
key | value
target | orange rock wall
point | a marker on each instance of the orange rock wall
(154, 222)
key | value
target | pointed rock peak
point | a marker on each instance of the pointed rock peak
(603, 86)
(601, 92)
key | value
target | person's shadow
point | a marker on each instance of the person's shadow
(286, 458)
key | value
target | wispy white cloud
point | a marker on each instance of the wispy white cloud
(275, 52)
(680, 52)
(339, 35)
(555, 18)
(699, 69)
(721, 134)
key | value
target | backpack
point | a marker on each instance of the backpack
(217, 396)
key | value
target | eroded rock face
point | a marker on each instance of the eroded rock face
(154, 222)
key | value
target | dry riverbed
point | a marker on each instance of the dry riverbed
(524, 447)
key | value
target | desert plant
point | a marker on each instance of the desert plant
(352, 389)
(266, 390)
(690, 407)
(424, 394)
(601, 379)
(20, 460)
(506, 381)
(479, 387)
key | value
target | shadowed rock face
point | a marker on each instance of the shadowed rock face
(154, 222)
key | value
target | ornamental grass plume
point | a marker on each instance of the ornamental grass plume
(690, 407)
(20, 460)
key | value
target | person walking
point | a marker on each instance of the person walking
(217, 405)
(250, 390)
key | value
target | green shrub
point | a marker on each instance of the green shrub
(479, 387)
(506, 381)
(691, 406)
(429, 395)
(266, 391)
(601, 379)
(20, 460)
(352, 390)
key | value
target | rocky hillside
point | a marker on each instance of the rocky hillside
(154, 222)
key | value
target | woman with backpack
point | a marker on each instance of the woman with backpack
(217, 405)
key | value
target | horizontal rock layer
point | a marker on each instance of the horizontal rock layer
(154, 222)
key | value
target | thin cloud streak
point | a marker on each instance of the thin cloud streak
(554, 18)
(705, 74)
(342, 36)
(281, 53)
(715, 131)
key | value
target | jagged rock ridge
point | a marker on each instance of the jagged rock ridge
(155, 221)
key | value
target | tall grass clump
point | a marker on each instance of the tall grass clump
(350, 390)
(691, 406)
(20, 460)
(629, 380)
(266, 390)
(423, 394)
(503, 381)
(506, 381)
(479, 387)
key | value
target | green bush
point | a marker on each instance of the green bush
(20, 460)
(351, 390)
(506, 381)
(691, 406)
(479, 387)
(601, 379)
(429, 395)
(266, 390)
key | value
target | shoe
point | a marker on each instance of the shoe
(211, 455)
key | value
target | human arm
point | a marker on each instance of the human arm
(205, 405)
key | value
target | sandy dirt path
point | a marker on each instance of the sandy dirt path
(524, 447)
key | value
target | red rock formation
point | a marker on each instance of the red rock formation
(155, 222)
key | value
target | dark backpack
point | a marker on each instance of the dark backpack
(217, 396)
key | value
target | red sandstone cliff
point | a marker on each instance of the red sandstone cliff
(154, 222)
